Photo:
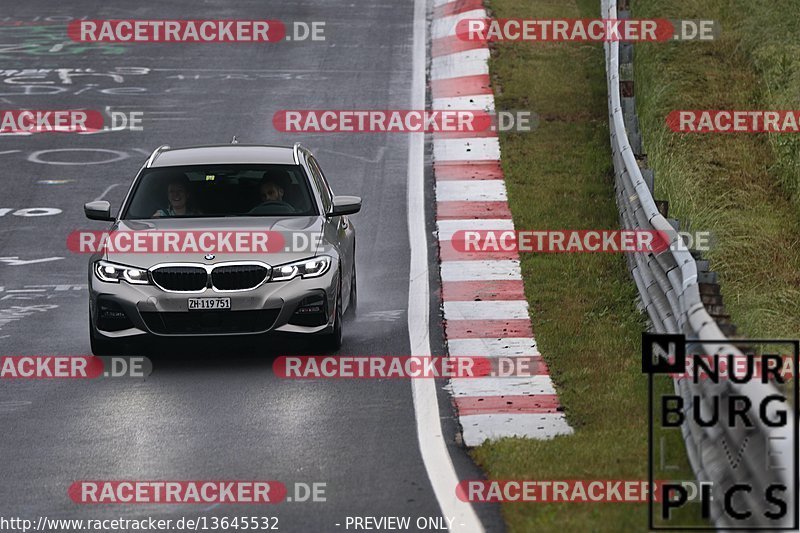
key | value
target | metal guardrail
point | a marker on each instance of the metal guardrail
(668, 286)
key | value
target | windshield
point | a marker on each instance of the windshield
(221, 191)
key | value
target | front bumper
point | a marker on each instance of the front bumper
(122, 310)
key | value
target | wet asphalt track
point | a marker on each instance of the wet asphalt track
(211, 412)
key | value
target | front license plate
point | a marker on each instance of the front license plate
(206, 304)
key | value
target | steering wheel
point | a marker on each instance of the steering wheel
(286, 208)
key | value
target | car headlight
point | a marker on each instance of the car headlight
(112, 273)
(307, 268)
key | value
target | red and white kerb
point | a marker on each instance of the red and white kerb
(485, 310)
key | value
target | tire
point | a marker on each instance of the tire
(331, 342)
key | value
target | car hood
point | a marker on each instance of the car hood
(308, 226)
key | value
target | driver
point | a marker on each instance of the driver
(179, 199)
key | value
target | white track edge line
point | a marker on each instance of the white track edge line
(433, 449)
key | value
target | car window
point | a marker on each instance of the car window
(221, 191)
(322, 185)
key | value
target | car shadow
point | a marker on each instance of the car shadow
(220, 353)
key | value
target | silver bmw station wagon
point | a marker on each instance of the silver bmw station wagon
(298, 289)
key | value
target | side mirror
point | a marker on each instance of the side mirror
(345, 205)
(100, 210)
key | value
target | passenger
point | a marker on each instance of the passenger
(270, 191)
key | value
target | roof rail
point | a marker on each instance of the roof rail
(296, 152)
(162, 148)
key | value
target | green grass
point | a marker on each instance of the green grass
(582, 305)
(743, 188)
(771, 40)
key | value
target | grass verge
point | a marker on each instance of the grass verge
(582, 305)
(741, 187)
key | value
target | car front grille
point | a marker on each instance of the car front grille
(180, 278)
(238, 277)
(186, 278)
(210, 322)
